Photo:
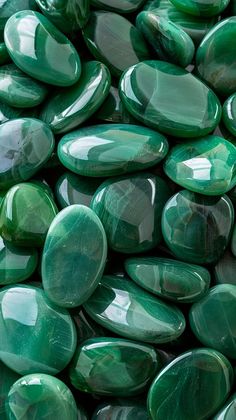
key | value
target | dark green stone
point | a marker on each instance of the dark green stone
(113, 110)
(85, 326)
(4, 56)
(229, 114)
(7, 379)
(9, 113)
(224, 270)
(122, 409)
(228, 411)
(9, 7)
(119, 6)
(201, 7)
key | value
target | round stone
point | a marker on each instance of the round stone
(201, 7)
(229, 114)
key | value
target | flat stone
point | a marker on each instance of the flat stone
(8, 377)
(227, 412)
(121, 408)
(118, 6)
(113, 111)
(229, 114)
(201, 7)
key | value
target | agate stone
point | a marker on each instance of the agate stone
(119, 6)
(228, 411)
(201, 7)
(7, 379)
(123, 409)
(229, 114)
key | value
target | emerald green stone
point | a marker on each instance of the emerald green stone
(147, 88)
(7, 379)
(124, 308)
(40, 50)
(122, 409)
(26, 214)
(201, 7)
(206, 166)
(224, 270)
(130, 231)
(197, 228)
(115, 41)
(118, 6)
(4, 56)
(111, 149)
(169, 41)
(113, 110)
(193, 386)
(169, 279)
(228, 411)
(67, 109)
(113, 367)
(36, 335)
(9, 7)
(229, 114)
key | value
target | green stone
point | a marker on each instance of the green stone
(147, 88)
(197, 228)
(118, 6)
(4, 56)
(229, 114)
(115, 41)
(169, 279)
(9, 113)
(201, 7)
(9, 7)
(36, 335)
(130, 231)
(26, 214)
(206, 166)
(168, 40)
(113, 367)
(66, 109)
(228, 411)
(40, 50)
(224, 270)
(113, 110)
(122, 307)
(85, 326)
(111, 149)
(7, 379)
(193, 386)
(122, 409)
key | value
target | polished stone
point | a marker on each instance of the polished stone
(118, 6)
(4, 56)
(113, 111)
(228, 411)
(9, 113)
(9, 7)
(147, 88)
(7, 379)
(201, 7)
(122, 409)
(229, 114)
(225, 269)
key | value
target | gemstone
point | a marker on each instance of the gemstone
(130, 209)
(9, 7)
(4, 56)
(224, 270)
(181, 390)
(113, 111)
(206, 166)
(111, 149)
(169, 279)
(147, 88)
(113, 366)
(124, 308)
(119, 6)
(8, 377)
(201, 7)
(197, 228)
(123, 409)
(229, 114)
(35, 45)
(228, 411)
(66, 109)
(107, 32)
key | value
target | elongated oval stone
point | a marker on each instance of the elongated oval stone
(224, 270)
(147, 91)
(7, 379)
(227, 412)
(229, 114)
(125, 309)
(4, 56)
(111, 149)
(9, 7)
(39, 49)
(118, 6)
(113, 111)
(179, 390)
(169, 279)
(201, 7)
(121, 409)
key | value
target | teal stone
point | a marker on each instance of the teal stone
(76, 237)
(201, 7)
(206, 166)
(8, 377)
(224, 270)
(9, 113)
(181, 391)
(124, 308)
(228, 411)
(36, 335)
(130, 209)
(106, 33)
(169, 279)
(111, 149)
(229, 114)
(25, 146)
(197, 228)
(118, 6)
(113, 367)
(4, 56)
(9, 7)
(122, 409)
(147, 88)
(168, 40)
(40, 50)
(113, 111)
(66, 109)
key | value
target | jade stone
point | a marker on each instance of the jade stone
(169, 279)
(113, 367)
(168, 40)
(76, 237)
(114, 202)
(181, 390)
(122, 409)
(25, 146)
(111, 149)
(108, 32)
(228, 411)
(66, 109)
(224, 270)
(36, 335)
(197, 228)
(212, 319)
(118, 6)
(4, 56)
(40, 50)
(9, 7)
(7, 379)
(206, 166)
(113, 111)
(39, 396)
(26, 214)
(201, 7)
(147, 88)
(122, 307)
(229, 114)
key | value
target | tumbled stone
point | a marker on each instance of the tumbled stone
(201, 7)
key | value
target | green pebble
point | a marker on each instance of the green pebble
(228, 411)
(7, 379)
(229, 114)
(113, 111)
(122, 409)
(224, 270)
(201, 7)
(4, 56)
(118, 6)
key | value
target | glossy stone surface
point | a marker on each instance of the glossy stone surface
(35, 45)
(8, 113)
(28, 317)
(113, 110)
(147, 88)
(7, 379)
(111, 149)
(206, 166)
(181, 390)
(107, 32)
(4, 56)
(39, 396)
(9, 7)
(123, 409)
(114, 202)
(224, 270)
(197, 228)
(169, 279)
(228, 411)
(113, 367)
(67, 109)
(122, 307)
(118, 6)
(229, 114)
(201, 7)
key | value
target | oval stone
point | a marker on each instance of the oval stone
(224, 270)
(147, 91)
(8, 377)
(121, 409)
(39, 49)
(118, 6)
(228, 411)
(229, 114)
(201, 7)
